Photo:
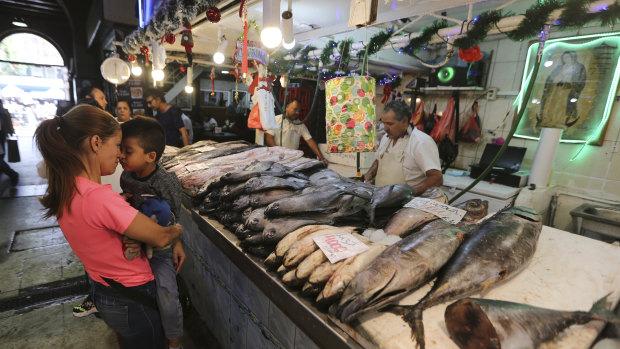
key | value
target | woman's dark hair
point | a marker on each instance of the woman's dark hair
(61, 141)
(123, 100)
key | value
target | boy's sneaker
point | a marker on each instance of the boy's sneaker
(86, 308)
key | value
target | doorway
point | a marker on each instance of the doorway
(33, 83)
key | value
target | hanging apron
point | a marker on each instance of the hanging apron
(390, 170)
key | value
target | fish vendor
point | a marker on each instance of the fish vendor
(405, 155)
(290, 132)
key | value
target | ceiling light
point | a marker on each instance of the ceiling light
(271, 35)
(189, 88)
(225, 72)
(19, 23)
(136, 69)
(219, 57)
(157, 74)
(288, 40)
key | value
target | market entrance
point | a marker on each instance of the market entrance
(33, 81)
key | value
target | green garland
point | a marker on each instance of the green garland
(425, 37)
(345, 53)
(610, 15)
(575, 15)
(375, 44)
(328, 51)
(535, 17)
(481, 26)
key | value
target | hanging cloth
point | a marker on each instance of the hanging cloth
(472, 130)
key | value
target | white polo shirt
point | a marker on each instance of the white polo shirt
(290, 133)
(417, 152)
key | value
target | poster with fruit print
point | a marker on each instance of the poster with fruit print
(350, 117)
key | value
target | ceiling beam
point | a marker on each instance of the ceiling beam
(32, 6)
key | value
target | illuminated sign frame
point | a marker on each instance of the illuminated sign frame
(602, 103)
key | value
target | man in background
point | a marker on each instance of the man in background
(93, 96)
(170, 118)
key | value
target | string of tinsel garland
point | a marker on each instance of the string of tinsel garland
(425, 36)
(481, 25)
(535, 17)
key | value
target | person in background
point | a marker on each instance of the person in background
(405, 155)
(6, 129)
(123, 110)
(152, 190)
(78, 148)
(93, 96)
(291, 132)
(188, 126)
(169, 117)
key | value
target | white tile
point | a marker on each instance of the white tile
(506, 51)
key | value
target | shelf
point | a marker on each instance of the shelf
(450, 88)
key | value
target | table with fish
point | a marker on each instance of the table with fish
(257, 218)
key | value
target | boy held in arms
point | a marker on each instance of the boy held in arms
(151, 189)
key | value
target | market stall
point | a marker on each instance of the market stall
(284, 252)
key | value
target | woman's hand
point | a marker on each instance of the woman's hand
(131, 245)
(178, 255)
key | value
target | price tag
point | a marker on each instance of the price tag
(446, 212)
(218, 130)
(339, 246)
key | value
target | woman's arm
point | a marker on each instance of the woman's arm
(145, 230)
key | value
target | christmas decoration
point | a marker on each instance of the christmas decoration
(170, 38)
(534, 19)
(350, 114)
(481, 25)
(214, 14)
(187, 39)
(145, 51)
(131, 58)
(470, 55)
(243, 13)
(182, 69)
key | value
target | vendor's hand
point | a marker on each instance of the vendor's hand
(322, 159)
(368, 178)
(178, 255)
(132, 245)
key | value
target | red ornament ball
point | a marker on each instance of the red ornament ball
(214, 14)
(170, 38)
(470, 55)
(144, 50)
(182, 68)
(132, 58)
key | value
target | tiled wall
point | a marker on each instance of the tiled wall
(596, 171)
(238, 313)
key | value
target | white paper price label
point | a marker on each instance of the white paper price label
(337, 247)
(446, 212)
(218, 130)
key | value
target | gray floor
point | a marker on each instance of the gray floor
(33, 254)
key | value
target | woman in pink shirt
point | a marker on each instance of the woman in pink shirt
(78, 148)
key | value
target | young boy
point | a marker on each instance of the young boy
(151, 189)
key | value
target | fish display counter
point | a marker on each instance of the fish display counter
(247, 306)
(280, 255)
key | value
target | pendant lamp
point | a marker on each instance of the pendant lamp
(271, 35)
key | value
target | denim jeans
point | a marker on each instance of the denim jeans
(139, 325)
(167, 293)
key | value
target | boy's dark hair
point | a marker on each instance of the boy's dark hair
(155, 93)
(148, 131)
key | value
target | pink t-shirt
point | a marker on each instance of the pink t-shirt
(99, 216)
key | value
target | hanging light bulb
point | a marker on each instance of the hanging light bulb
(288, 40)
(189, 88)
(219, 57)
(136, 69)
(157, 74)
(271, 36)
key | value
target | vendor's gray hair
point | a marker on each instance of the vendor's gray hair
(400, 109)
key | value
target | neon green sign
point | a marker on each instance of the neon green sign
(575, 87)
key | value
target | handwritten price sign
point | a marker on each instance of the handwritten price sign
(446, 212)
(339, 246)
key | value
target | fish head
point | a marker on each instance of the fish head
(476, 209)
(273, 207)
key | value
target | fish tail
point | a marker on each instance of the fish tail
(602, 310)
(415, 320)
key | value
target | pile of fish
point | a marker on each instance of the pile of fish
(202, 163)
(277, 202)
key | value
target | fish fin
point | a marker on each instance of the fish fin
(414, 318)
(602, 308)
(396, 309)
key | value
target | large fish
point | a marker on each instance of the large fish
(498, 249)
(408, 219)
(274, 230)
(232, 191)
(325, 176)
(241, 203)
(286, 242)
(392, 196)
(257, 184)
(408, 264)
(308, 167)
(315, 259)
(322, 202)
(318, 278)
(264, 198)
(486, 323)
(256, 220)
(348, 270)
